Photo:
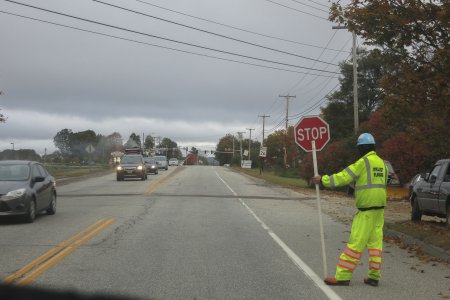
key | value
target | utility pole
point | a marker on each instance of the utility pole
(264, 121)
(286, 126)
(249, 141)
(355, 80)
(233, 147)
(287, 107)
(240, 143)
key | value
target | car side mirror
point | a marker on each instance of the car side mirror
(432, 179)
(38, 179)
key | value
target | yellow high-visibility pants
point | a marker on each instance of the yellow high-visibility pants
(367, 231)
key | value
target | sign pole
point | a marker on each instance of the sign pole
(319, 208)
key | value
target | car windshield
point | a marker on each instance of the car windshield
(160, 158)
(149, 160)
(131, 159)
(17, 172)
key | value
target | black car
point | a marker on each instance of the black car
(131, 166)
(151, 165)
(26, 188)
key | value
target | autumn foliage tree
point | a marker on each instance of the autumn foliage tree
(414, 36)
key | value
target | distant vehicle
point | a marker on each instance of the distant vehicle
(173, 162)
(26, 189)
(135, 150)
(131, 165)
(393, 179)
(431, 196)
(151, 165)
(162, 162)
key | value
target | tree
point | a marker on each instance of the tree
(149, 142)
(224, 149)
(134, 141)
(171, 148)
(62, 141)
(372, 65)
(414, 34)
(415, 31)
(115, 141)
(275, 148)
(80, 140)
(23, 154)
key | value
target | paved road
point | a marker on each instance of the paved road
(201, 233)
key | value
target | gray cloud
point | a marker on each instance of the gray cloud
(55, 78)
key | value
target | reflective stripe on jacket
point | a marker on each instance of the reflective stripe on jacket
(370, 176)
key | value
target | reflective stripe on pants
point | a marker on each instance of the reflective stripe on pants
(366, 232)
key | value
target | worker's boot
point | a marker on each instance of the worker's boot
(370, 281)
(333, 281)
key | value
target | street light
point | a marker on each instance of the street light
(355, 79)
(13, 145)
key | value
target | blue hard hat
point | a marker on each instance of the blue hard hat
(365, 139)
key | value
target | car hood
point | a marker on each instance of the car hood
(7, 186)
(130, 165)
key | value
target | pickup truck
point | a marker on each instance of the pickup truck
(431, 196)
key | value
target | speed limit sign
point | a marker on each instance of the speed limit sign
(262, 152)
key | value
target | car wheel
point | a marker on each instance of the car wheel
(119, 178)
(416, 214)
(51, 210)
(31, 213)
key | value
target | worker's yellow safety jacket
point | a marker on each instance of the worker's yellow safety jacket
(370, 175)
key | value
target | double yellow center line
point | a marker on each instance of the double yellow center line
(38, 266)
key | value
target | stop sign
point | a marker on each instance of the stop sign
(311, 128)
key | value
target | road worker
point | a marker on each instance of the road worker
(369, 174)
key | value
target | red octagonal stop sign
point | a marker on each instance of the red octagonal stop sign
(311, 128)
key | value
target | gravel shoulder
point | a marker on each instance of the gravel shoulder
(429, 239)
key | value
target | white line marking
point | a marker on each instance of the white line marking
(291, 254)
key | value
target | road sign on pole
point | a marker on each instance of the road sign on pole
(90, 149)
(312, 134)
(311, 128)
(263, 152)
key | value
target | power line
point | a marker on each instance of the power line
(313, 7)
(212, 33)
(314, 105)
(320, 55)
(234, 27)
(313, 79)
(157, 46)
(319, 3)
(170, 40)
(297, 10)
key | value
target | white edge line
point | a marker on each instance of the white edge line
(291, 254)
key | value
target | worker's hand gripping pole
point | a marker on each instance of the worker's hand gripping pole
(319, 208)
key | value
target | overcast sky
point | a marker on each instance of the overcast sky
(193, 82)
